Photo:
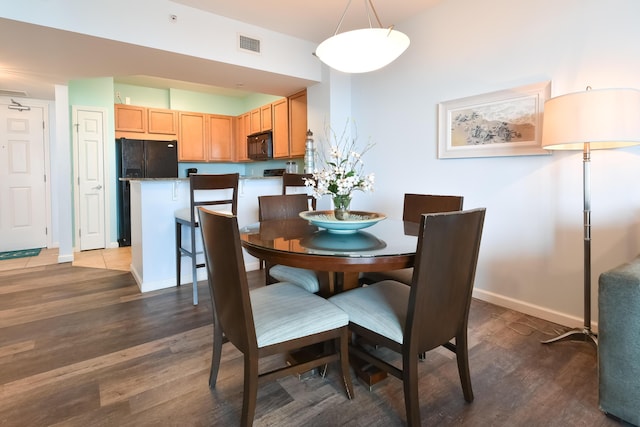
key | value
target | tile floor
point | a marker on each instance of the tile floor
(112, 259)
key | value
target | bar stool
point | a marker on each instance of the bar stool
(204, 190)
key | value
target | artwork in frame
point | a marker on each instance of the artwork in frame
(502, 123)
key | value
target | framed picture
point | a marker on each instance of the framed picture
(503, 123)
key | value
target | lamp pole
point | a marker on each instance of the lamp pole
(584, 334)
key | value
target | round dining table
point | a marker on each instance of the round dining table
(389, 244)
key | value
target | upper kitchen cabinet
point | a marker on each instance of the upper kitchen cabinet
(266, 119)
(242, 129)
(192, 144)
(280, 112)
(220, 133)
(130, 118)
(163, 122)
(256, 120)
(297, 123)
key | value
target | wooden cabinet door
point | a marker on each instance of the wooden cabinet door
(162, 121)
(256, 120)
(280, 128)
(220, 138)
(297, 123)
(242, 129)
(265, 118)
(130, 118)
(192, 142)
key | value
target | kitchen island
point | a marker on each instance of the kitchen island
(153, 203)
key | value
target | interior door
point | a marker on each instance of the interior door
(23, 208)
(90, 179)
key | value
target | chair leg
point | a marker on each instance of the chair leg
(410, 384)
(194, 265)
(462, 357)
(250, 391)
(343, 346)
(178, 252)
(217, 352)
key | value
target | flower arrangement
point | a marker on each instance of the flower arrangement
(343, 172)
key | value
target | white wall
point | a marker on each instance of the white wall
(531, 255)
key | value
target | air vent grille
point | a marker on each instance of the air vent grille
(16, 93)
(250, 44)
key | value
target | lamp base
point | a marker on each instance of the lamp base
(577, 334)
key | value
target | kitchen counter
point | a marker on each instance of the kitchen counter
(153, 203)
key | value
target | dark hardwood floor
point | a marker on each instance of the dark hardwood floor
(82, 347)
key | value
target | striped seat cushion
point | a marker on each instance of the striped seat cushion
(284, 311)
(306, 279)
(381, 307)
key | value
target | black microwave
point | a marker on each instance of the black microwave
(260, 146)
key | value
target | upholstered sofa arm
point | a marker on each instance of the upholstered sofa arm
(619, 341)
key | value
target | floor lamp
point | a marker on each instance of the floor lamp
(590, 120)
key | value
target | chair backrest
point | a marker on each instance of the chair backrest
(228, 279)
(417, 204)
(444, 272)
(297, 180)
(201, 183)
(281, 207)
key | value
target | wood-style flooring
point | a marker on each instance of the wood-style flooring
(81, 346)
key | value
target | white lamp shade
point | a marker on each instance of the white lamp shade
(364, 50)
(606, 118)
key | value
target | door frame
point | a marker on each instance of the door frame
(76, 178)
(46, 130)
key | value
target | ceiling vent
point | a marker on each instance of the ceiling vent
(249, 44)
(16, 93)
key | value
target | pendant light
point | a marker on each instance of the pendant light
(363, 50)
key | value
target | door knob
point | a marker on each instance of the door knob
(97, 187)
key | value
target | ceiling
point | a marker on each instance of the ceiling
(39, 57)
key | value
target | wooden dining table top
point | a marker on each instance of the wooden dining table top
(387, 245)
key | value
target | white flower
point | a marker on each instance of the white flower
(341, 174)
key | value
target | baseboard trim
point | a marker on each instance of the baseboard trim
(531, 309)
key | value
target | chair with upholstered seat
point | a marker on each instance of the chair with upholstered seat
(269, 320)
(204, 190)
(411, 320)
(414, 206)
(296, 180)
(283, 207)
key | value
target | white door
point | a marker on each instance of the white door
(23, 215)
(90, 179)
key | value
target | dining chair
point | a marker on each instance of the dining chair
(411, 320)
(414, 206)
(204, 190)
(283, 207)
(296, 180)
(268, 320)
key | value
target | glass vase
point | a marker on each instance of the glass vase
(341, 207)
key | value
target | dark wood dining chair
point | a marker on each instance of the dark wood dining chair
(283, 207)
(204, 190)
(414, 206)
(293, 180)
(269, 320)
(434, 310)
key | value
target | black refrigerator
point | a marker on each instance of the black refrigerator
(137, 158)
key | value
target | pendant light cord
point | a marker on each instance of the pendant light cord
(367, 4)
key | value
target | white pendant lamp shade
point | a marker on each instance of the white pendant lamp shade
(364, 50)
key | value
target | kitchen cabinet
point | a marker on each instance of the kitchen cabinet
(280, 128)
(265, 118)
(161, 121)
(243, 128)
(192, 144)
(130, 118)
(297, 123)
(256, 120)
(220, 138)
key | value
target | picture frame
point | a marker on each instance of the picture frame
(501, 123)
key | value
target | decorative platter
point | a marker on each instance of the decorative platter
(357, 220)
